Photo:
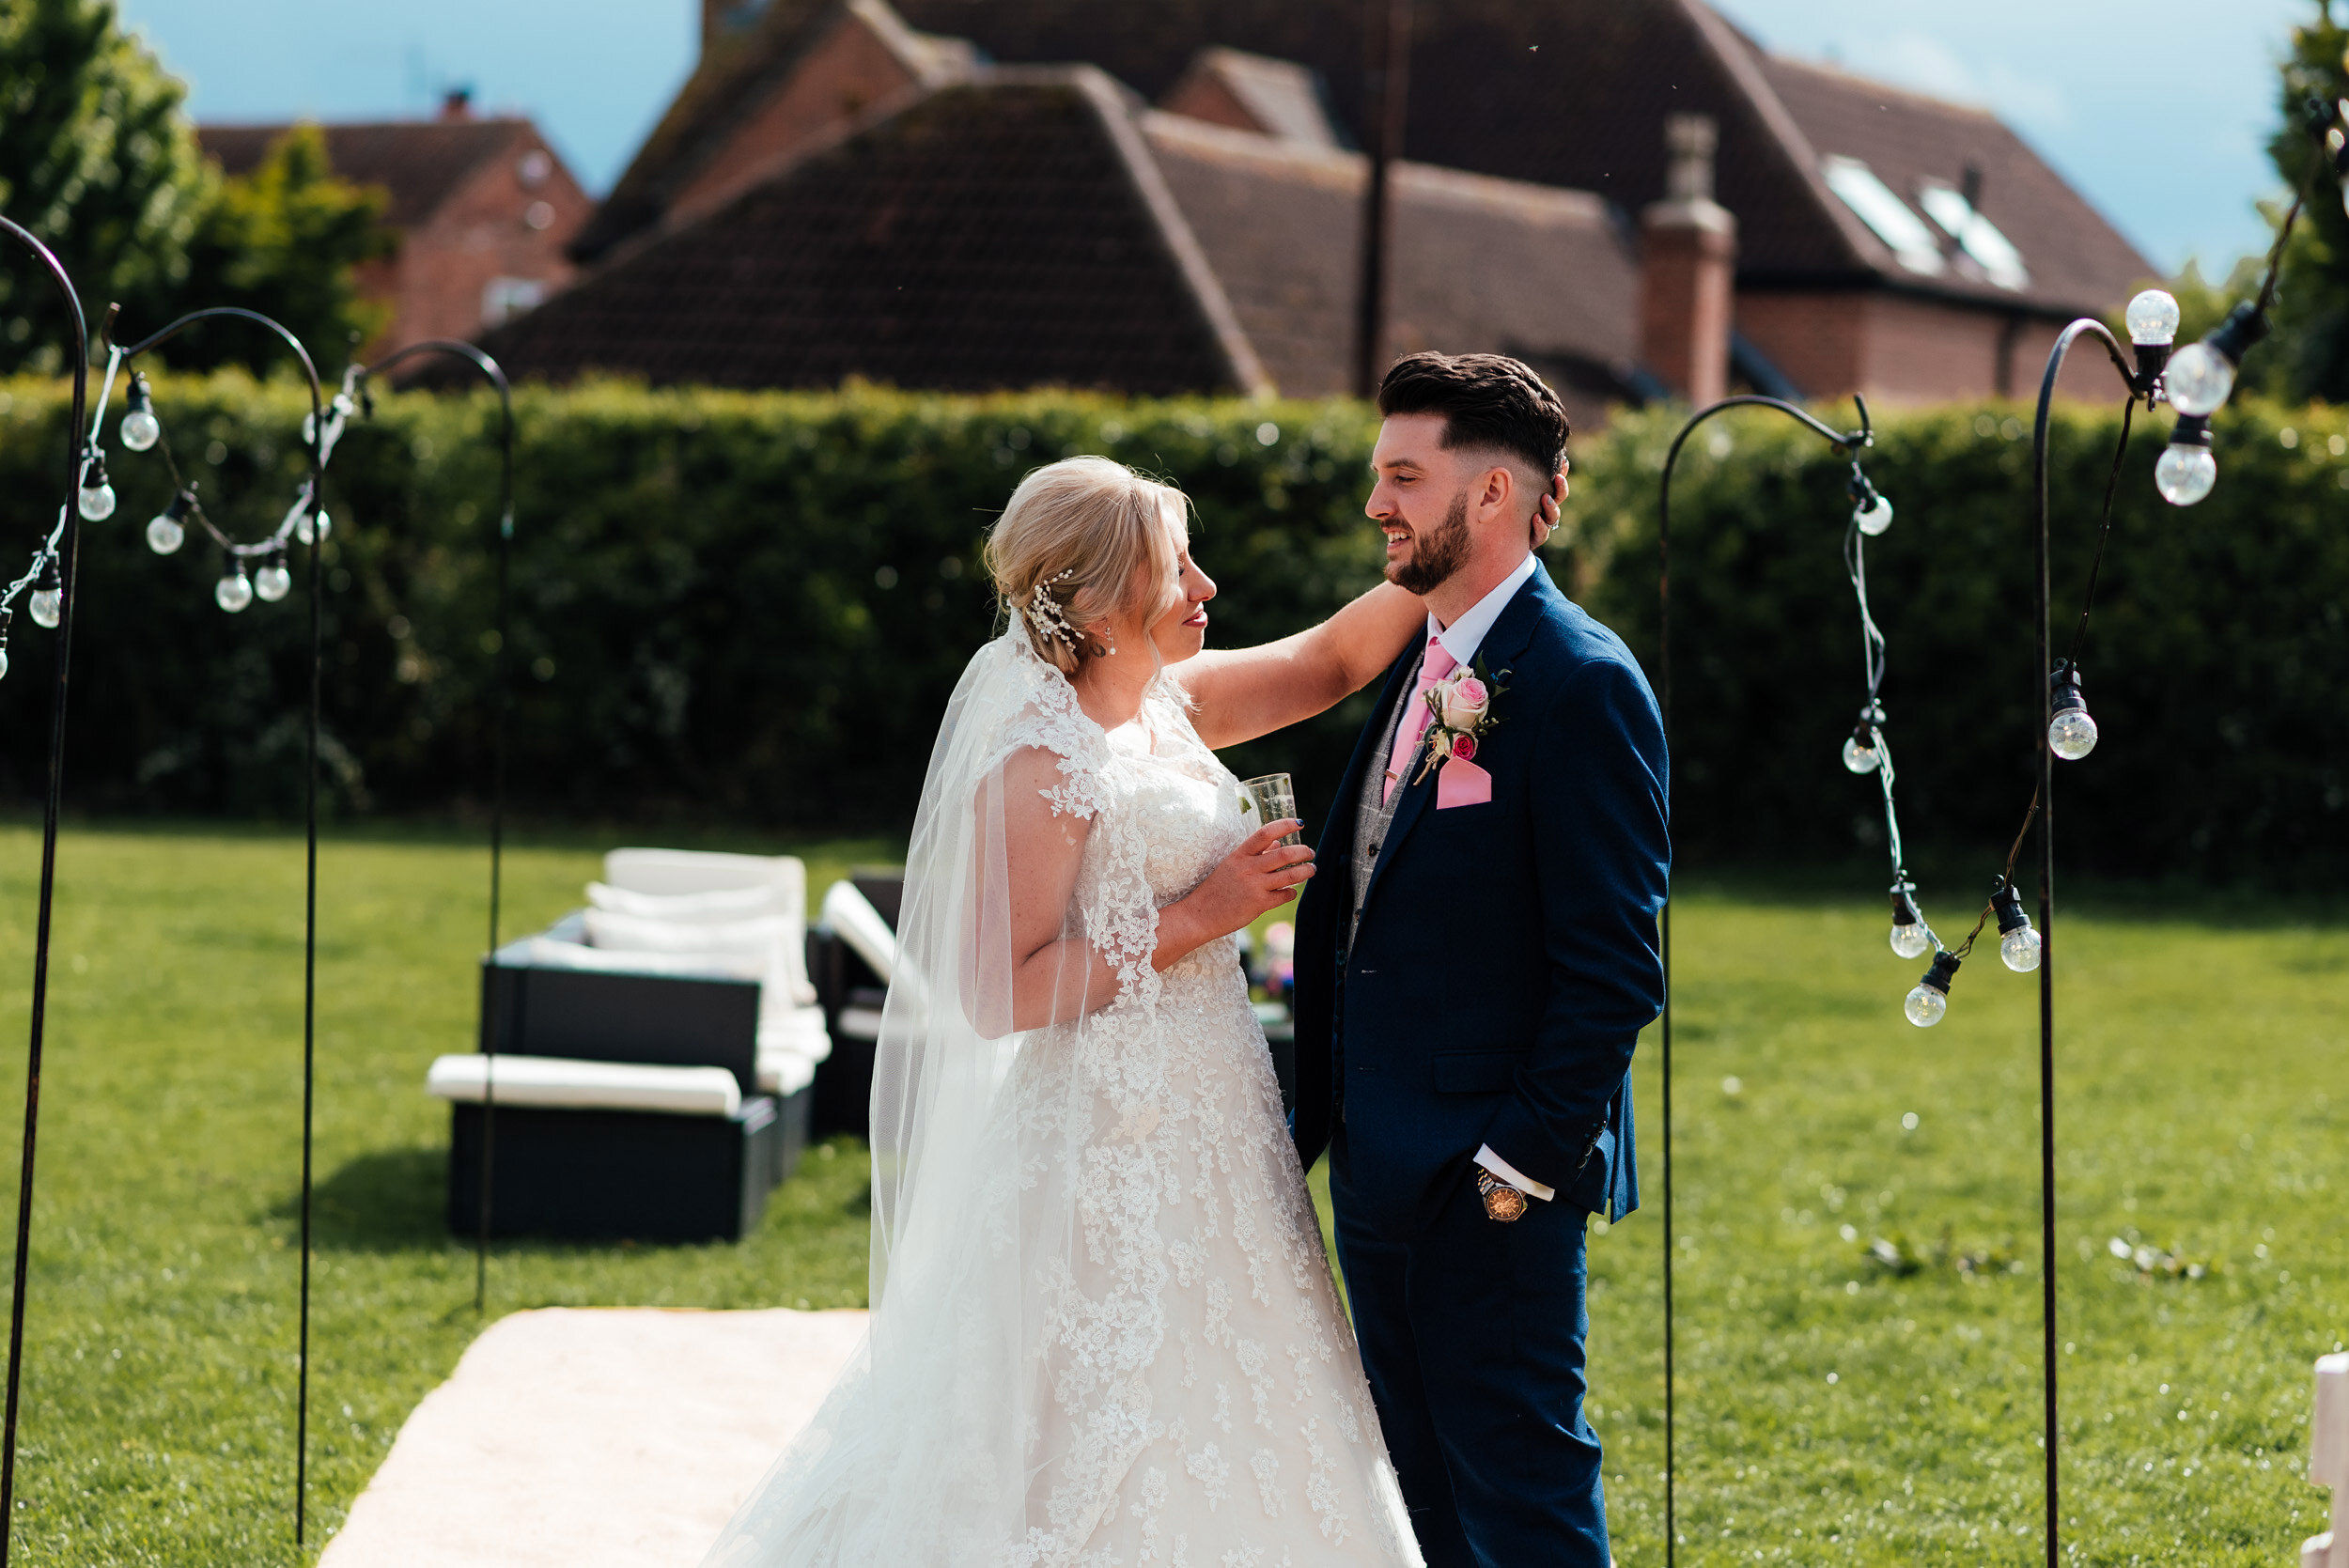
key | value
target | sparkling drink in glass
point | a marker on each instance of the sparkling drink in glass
(1271, 798)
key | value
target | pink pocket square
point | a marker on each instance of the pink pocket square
(1460, 783)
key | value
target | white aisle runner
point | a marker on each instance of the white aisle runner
(599, 1438)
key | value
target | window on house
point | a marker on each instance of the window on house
(1912, 243)
(1976, 235)
(502, 299)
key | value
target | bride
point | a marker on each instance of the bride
(1104, 1330)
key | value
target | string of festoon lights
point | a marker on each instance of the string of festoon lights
(240, 583)
(1866, 750)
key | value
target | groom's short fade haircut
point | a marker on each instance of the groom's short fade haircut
(1489, 402)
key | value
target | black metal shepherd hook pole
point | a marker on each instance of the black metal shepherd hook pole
(71, 551)
(316, 441)
(1848, 440)
(502, 700)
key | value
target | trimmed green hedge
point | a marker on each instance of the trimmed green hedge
(743, 606)
(750, 607)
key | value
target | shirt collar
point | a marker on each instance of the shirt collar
(1462, 638)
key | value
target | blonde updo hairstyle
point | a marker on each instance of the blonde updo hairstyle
(1083, 530)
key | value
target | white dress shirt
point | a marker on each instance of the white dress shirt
(1461, 640)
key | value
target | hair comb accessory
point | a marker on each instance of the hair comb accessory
(1044, 612)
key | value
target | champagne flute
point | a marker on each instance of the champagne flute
(1271, 798)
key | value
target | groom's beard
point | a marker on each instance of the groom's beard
(1435, 557)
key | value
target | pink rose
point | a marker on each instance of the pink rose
(1463, 748)
(1465, 704)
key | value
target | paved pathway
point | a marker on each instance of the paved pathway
(616, 1438)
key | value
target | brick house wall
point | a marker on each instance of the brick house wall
(507, 223)
(845, 73)
(1899, 350)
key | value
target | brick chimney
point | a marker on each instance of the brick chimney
(457, 104)
(1687, 262)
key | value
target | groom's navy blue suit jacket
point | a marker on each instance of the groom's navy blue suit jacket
(1507, 956)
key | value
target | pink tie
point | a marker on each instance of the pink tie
(1411, 724)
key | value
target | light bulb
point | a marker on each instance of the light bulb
(274, 582)
(1909, 936)
(2153, 318)
(140, 429)
(2073, 735)
(2199, 380)
(234, 591)
(47, 607)
(2018, 944)
(1874, 518)
(2185, 475)
(303, 518)
(97, 499)
(1929, 999)
(165, 532)
(3, 661)
(1859, 756)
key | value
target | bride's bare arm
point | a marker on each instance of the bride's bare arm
(1056, 973)
(1241, 694)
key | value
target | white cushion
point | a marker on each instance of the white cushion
(560, 1080)
(672, 872)
(548, 953)
(797, 1030)
(761, 936)
(693, 908)
(784, 1071)
(693, 886)
(852, 915)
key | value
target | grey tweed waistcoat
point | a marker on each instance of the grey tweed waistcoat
(1373, 809)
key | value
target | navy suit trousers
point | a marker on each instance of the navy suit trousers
(1472, 1335)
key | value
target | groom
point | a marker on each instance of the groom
(1473, 966)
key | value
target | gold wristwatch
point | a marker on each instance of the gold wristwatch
(1501, 1201)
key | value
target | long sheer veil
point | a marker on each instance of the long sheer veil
(940, 1446)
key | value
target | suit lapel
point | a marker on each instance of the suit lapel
(1507, 639)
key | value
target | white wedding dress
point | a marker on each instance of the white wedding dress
(1105, 1333)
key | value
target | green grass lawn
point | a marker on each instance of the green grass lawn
(1831, 1409)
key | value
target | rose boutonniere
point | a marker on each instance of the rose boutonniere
(1461, 710)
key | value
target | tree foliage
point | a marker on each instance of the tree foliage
(2308, 355)
(99, 160)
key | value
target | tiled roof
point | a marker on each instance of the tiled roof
(1573, 93)
(421, 162)
(1280, 98)
(1005, 232)
(1479, 265)
(2074, 260)
(735, 75)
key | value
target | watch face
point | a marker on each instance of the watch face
(1504, 1202)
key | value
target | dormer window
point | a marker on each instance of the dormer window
(1888, 217)
(1976, 235)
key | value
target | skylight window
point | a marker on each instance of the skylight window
(1976, 235)
(1912, 243)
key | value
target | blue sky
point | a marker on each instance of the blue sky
(2157, 109)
